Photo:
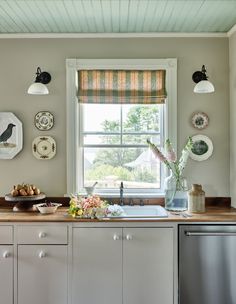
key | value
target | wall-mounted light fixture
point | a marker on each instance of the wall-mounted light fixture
(39, 86)
(203, 85)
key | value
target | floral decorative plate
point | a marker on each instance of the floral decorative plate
(44, 147)
(200, 120)
(202, 147)
(44, 120)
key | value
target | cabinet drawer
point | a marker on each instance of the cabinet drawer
(6, 234)
(42, 235)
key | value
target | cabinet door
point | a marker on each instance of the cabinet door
(97, 266)
(42, 274)
(6, 274)
(148, 266)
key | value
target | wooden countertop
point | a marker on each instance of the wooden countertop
(212, 214)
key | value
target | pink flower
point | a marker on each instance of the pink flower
(170, 153)
(156, 152)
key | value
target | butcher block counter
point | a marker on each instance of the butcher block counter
(212, 214)
(218, 209)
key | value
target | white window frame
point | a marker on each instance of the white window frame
(73, 124)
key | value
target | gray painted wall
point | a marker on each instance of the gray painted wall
(232, 71)
(19, 59)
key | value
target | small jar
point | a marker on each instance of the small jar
(196, 199)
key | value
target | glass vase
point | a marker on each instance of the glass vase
(176, 193)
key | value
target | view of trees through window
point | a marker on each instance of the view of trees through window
(114, 145)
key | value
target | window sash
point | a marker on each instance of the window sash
(129, 191)
(121, 136)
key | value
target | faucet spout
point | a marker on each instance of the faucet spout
(121, 194)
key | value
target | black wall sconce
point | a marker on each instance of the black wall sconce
(203, 85)
(39, 86)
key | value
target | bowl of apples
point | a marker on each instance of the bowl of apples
(47, 207)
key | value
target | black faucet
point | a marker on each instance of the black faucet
(121, 194)
(141, 202)
(131, 202)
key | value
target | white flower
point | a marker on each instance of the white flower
(115, 210)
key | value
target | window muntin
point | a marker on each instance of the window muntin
(113, 143)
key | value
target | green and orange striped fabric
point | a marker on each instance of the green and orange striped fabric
(122, 86)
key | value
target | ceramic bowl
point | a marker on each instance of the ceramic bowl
(47, 209)
(89, 190)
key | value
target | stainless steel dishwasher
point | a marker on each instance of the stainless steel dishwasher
(207, 264)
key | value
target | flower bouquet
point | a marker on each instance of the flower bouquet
(92, 207)
(175, 184)
(87, 207)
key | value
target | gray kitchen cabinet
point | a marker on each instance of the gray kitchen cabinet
(6, 264)
(96, 266)
(122, 265)
(42, 274)
(42, 264)
(148, 266)
(6, 274)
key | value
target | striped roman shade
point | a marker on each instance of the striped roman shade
(122, 86)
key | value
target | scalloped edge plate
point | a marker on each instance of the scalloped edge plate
(199, 120)
(44, 120)
(44, 147)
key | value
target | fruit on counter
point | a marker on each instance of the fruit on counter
(14, 191)
(47, 204)
(29, 190)
(37, 191)
(25, 190)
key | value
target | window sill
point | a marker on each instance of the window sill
(126, 195)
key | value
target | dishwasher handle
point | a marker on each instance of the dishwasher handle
(209, 233)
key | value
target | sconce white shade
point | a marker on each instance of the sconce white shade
(38, 88)
(204, 86)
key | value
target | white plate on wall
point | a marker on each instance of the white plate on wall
(200, 120)
(44, 120)
(11, 135)
(202, 147)
(44, 147)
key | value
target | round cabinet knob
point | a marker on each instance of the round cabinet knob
(116, 237)
(129, 237)
(42, 235)
(6, 254)
(42, 254)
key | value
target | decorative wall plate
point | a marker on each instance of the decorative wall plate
(11, 135)
(200, 120)
(44, 120)
(202, 147)
(44, 147)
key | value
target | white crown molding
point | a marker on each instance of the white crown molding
(231, 31)
(112, 35)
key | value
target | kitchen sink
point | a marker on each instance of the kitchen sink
(151, 211)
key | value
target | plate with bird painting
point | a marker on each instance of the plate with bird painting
(11, 135)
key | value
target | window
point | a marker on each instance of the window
(107, 142)
(114, 149)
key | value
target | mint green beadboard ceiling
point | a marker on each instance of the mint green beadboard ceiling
(116, 16)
